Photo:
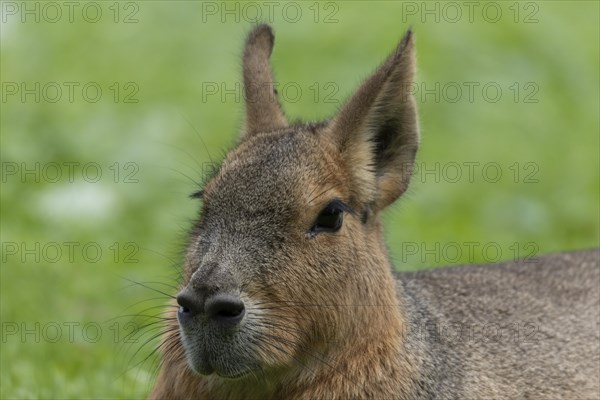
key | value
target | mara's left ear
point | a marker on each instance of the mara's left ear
(263, 111)
(377, 131)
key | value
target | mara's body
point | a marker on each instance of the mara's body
(508, 331)
(288, 292)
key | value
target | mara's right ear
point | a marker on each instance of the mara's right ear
(263, 111)
(377, 132)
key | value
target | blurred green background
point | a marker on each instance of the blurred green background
(94, 186)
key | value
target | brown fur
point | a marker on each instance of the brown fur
(325, 318)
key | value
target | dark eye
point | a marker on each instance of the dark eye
(330, 219)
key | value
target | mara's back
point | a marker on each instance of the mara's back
(511, 330)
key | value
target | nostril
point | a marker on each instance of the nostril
(188, 304)
(225, 308)
(184, 310)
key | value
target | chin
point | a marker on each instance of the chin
(211, 361)
(220, 369)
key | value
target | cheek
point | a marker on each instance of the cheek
(319, 266)
(301, 269)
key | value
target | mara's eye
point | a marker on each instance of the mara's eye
(330, 219)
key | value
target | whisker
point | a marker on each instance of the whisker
(148, 287)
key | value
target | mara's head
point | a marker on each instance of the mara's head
(289, 236)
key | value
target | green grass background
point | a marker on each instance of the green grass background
(171, 131)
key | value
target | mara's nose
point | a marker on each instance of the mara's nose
(223, 309)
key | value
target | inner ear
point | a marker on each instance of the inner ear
(383, 139)
(377, 130)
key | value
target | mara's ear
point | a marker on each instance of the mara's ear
(263, 111)
(377, 131)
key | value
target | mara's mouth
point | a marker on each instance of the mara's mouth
(214, 355)
(236, 344)
(226, 369)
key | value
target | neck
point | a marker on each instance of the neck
(364, 353)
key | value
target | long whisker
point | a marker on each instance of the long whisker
(148, 287)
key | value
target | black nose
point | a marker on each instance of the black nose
(223, 309)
